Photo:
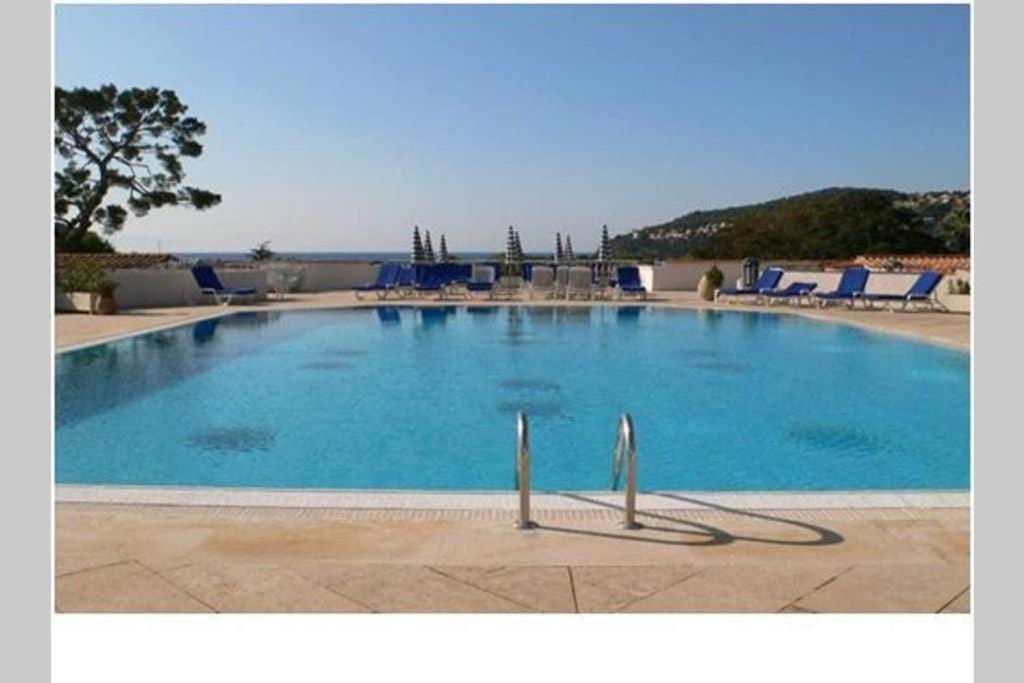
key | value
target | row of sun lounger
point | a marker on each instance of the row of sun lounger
(449, 280)
(584, 282)
(850, 290)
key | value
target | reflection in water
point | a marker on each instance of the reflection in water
(159, 340)
(92, 355)
(542, 315)
(95, 379)
(574, 314)
(754, 323)
(388, 315)
(629, 314)
(709, 318)
(204, 330)
(515, 331)
(482, 310)
(435, 315)
(244, 319)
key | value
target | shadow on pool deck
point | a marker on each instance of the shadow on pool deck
(712, 535)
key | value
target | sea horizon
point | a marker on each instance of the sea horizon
(323, 255)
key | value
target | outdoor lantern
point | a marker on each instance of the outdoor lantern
(751, 269)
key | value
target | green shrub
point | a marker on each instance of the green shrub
(79, 276)
(715, 277)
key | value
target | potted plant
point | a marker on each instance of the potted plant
(78, 287)
(710, 282)
(107, 304)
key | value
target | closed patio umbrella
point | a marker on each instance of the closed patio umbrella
(442, 256)
(417, 245)
(559, 253)
(569, 256)
(510, 247)
(605, 252)
(513, 253)
(428, 249)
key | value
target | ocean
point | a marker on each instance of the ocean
(324, 255)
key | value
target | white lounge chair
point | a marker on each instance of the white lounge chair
(542, 281)
(561, 280)
(581, 283)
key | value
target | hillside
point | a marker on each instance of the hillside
(830, 223)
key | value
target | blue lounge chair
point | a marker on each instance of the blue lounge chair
(769, 280)
(456, 278)
(405, 280)
(627, 282)
(851, 286)
(432, 277)
(387, 278)
(793, 291)
(211, 285)
(922, 292)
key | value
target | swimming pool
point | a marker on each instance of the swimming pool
(425, 398)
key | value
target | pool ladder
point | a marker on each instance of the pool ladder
(523, 471)
(623, 454)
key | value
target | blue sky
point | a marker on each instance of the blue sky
(339, 127)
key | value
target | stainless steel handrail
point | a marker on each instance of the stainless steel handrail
(522, 476)
(625, 449)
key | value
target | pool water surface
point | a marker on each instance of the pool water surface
(426, 398)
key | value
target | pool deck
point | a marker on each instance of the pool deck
(798, 553)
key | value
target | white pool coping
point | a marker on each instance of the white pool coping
(557, 500)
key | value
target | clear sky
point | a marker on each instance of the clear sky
(339, 127)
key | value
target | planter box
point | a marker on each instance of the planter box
(76, 302)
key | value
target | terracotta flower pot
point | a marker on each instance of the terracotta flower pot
(705, 289)
(107, 305)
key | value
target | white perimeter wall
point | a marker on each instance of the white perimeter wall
(684, 275)
(145, 288)
(148, 288)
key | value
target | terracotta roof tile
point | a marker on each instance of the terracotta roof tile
(117, 261)
(943, 263)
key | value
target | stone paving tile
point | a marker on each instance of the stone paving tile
(608, 589)
(70, 562)
(125, 587)
(544, 589)
(404, 588)
(257, 588)
(739, 588)
(891, 588)
(960, 605)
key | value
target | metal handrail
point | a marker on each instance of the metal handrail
(625, 449)
(522, 471)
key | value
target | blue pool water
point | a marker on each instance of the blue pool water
(425, 398)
